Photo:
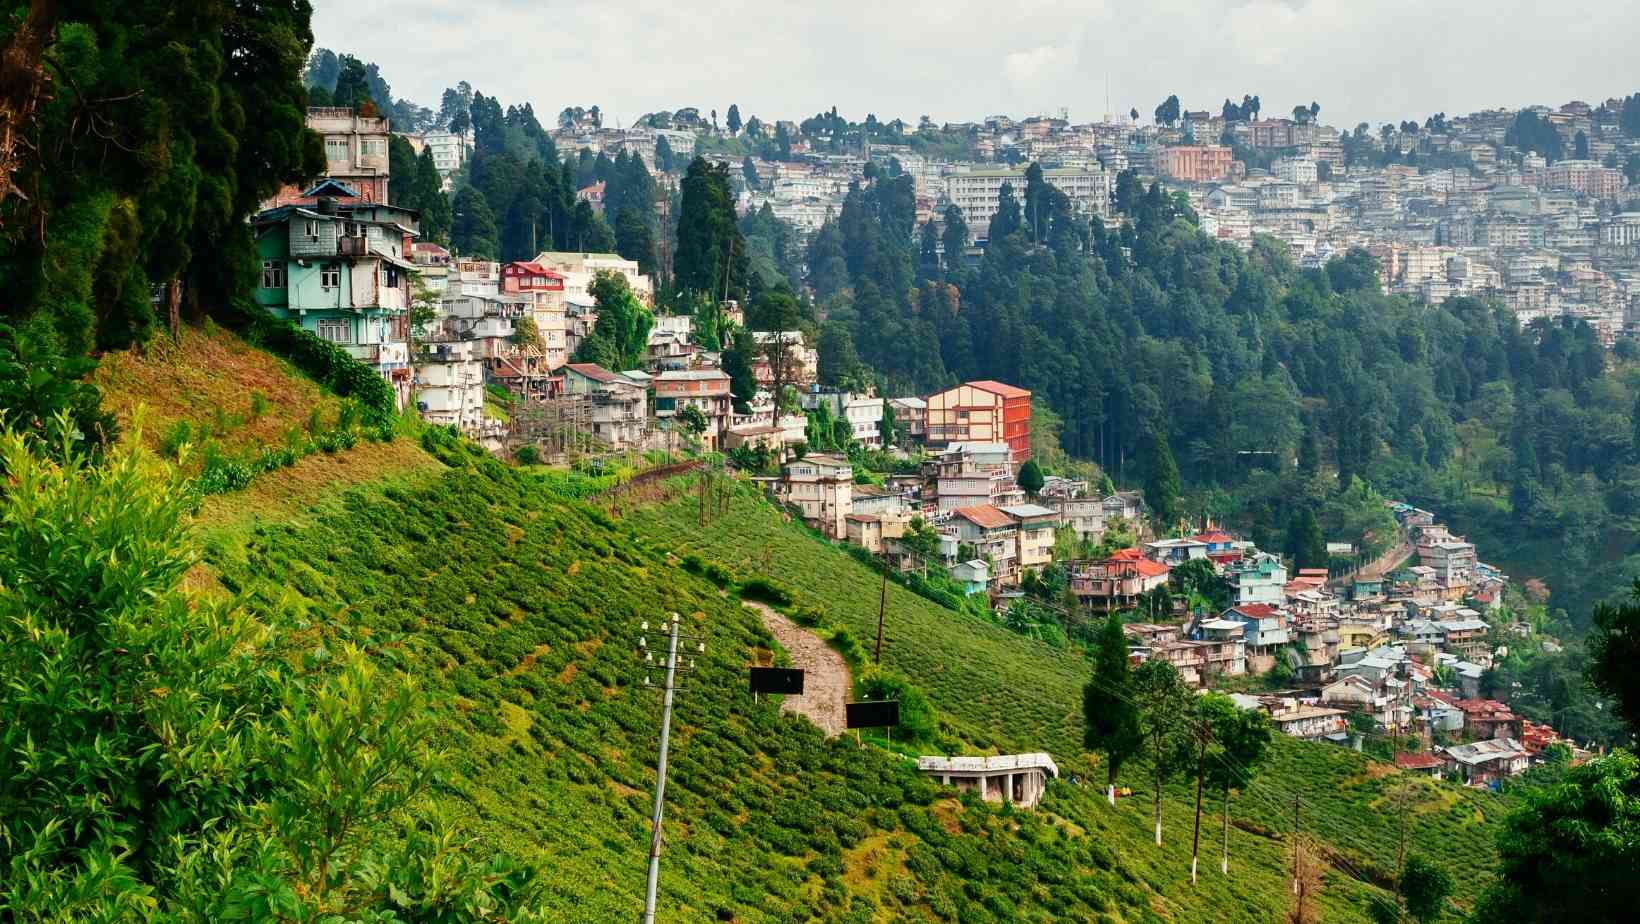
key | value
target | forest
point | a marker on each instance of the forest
(1276, 386)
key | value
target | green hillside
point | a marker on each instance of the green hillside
(521, 612)
(995, 689)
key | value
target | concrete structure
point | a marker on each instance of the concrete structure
(864, 413)
(1259, 579)
(910, 418)
(449, 151)
(1117, 581)
(579, 269)
(449, 386)
(545, 290)
(1197, 163)
(619, 406)
(984, 412)
(706, 389)
(821, 487)
(1035, 542)
(994, 536)
(976, 192)
(355, 149)
(1014, 778)
(339, 266)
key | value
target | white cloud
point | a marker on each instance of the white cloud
(1378, 61)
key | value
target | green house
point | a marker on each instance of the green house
(340, 267)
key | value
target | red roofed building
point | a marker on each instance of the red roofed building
(1537, 737)
(1426, 764)
(1488, 718)
(1116, 581)
(994, 536)
(981, 412)
(545, 290)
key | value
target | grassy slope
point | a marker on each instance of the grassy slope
(517, 611)
(998, 690)
(520, 613)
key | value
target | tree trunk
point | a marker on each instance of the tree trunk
(22, 82)
(1224, 861)
(173, 308)
(1158, 804)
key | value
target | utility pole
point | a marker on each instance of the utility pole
(1401, 848)
(1224, 860)
(1298, 848)
(882, 607)
(668, 688)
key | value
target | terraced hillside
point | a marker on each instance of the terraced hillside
(520, 611)
(518, 607)
(997, 690)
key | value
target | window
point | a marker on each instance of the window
(273, 274)
(330, 276)
(369, 147)
(336, 149)
(336, 331)
(390, 277)
(313, 229)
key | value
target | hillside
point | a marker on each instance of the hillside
(995, 689)
(518, 607)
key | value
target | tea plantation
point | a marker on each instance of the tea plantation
(999, 691)
(520, 612)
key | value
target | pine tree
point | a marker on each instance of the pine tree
(1110, 718)
(473, 232)
(1161, 481)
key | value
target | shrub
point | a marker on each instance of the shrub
(320, 359)
(767, 591)
(175, 437)
(527, 455)
(918, 721)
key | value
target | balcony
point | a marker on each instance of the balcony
(353, 245)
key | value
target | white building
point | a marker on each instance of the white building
(449, 151)
(976, 192)
(579, 269)
(1300, 170)
(449, 386)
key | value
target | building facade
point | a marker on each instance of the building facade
(981, 412)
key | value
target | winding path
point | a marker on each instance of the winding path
(826, 680)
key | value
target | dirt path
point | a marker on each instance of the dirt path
(826, 681)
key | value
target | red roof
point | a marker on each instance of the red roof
(984, 516)
(1214, 535)
(1148, 568)
(1128, 554)
(1408, 761)
(1483, 707)
(594, 372)
(1256, 610)
(533, 268)
(998, 388)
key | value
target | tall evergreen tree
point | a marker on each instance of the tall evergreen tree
(711, 257)
(473, 230)
(1161, 480)
(1110, 715)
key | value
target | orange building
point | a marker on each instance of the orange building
(1197, 163)
(981, 412)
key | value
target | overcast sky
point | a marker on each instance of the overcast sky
(961, 60)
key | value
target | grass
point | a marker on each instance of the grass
(998, 691)
(223, 389)
(518, 610)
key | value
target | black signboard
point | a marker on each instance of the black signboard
(882, 714)
(777, 680)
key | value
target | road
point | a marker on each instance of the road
(826, 680)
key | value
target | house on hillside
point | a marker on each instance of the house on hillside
(982, 411)
(1259, 578)
(1485, 762)
(821, 487)
(704, 389)
(619, 406)
(1264, 631)
(339, 267)
(1036, 524)
(994, 536)
(1115, 582)
(1419, 763)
